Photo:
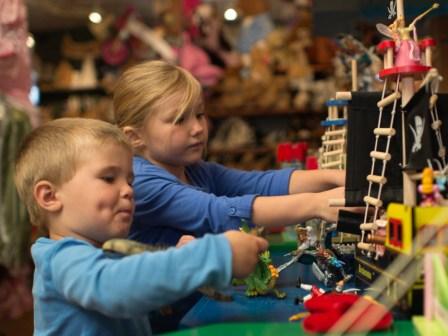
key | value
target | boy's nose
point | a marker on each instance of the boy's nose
(128, 191)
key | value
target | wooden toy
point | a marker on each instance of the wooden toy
(407, 137)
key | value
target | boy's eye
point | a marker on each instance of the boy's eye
(108, 179)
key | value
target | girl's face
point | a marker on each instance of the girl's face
(175, 144)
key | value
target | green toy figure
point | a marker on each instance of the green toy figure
(262, 281)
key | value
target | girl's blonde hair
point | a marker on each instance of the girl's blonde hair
(144, 87)
(53, 152)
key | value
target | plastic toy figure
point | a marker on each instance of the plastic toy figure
(330, 270)
(262, 281)
(429, 191)
(305, 239)
(313, 289)
(407, 49)
(316, 291)
(306, 244)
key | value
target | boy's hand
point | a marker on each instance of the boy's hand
(185, 239)
(245, 251)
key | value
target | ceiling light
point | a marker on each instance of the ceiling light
(30, 42)
(95, 17)
(230, 14)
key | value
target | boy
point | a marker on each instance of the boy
(75, 177)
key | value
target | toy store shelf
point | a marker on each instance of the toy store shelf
(214, 111)
(275, 328)
(47, 96)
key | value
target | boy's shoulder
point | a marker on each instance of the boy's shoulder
(44, 248)
(46, 243)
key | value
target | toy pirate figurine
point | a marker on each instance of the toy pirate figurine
(429, 191)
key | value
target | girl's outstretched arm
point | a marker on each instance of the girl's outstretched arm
(292, 209)
(305, 181)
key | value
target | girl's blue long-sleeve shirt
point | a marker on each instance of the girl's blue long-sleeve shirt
(80, 290)
(215, 201)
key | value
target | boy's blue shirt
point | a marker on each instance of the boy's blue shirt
(80, 290)
(215, 201)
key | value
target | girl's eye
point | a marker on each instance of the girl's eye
(200, 115)
(180, 120)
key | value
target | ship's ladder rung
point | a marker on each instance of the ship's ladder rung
(373, 201)
(436, 125)
(366, 247)
(368, 226)
(389, 99)
(381, 223)
(334, 142)
(384, 131)
(331, 153)
(332, 164)
(376, 239)
(433, 101)
(336, 132)
(377, 179)
(380, 155)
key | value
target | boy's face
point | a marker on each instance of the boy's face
(178, 144)
(98, 202)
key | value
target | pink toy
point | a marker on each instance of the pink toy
(195, 60)
(402, 54)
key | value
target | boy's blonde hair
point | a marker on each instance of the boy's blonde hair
(143, 87)
(53, 151)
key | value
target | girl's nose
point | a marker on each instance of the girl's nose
(197, 126)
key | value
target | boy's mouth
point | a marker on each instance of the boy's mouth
(126, 211)
(196, 145)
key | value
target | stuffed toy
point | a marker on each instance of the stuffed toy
(256, 24)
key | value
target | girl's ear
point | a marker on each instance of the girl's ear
(46, 197)
(133, 136)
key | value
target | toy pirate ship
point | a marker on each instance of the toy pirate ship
(391, 137)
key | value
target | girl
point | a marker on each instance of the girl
(159, 107)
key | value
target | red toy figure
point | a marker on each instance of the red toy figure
(313, 289)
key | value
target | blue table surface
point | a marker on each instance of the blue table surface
(254, 309)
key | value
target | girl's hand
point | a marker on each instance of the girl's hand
(185, 239)
(328, 213)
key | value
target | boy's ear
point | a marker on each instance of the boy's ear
(133, 136)
(45, 195)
